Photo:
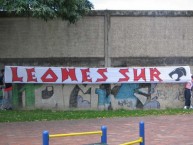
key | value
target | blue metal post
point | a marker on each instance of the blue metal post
(45, 137)
(142, 132)
(104, 134)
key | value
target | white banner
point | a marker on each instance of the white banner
(81, 75)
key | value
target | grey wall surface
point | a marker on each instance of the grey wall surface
(32, 38)
(151, 36)
(101, 39)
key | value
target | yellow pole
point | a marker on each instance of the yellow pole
(76, 134)
(133, 142)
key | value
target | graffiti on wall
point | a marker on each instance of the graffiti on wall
(101, 96)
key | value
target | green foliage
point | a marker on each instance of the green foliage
(47, 115)
(70, 10)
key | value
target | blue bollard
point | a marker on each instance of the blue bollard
(45, 137)
(142, 132)
(104, 135)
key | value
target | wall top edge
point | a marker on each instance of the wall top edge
(129, 13)
(142, 13)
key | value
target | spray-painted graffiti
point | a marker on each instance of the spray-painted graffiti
(48, 92)
(103, 96)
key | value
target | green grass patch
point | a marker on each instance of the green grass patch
(47, 115)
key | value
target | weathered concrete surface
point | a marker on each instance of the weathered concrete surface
(67, 61)
(102, 34)
(151, 36)
(151, 61)
(33, 38)
(101, 39)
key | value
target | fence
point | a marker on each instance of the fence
(46, 136)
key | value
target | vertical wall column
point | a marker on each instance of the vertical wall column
(106, 37)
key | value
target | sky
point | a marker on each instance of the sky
(142, 4)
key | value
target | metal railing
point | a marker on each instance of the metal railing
(46, 136)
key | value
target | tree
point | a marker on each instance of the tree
(70, 10)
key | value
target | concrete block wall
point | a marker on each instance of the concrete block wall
(151, 36)
(34, 38)
(100, 39)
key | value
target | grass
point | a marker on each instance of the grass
(47, 115)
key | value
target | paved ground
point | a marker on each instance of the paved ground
(164, 130)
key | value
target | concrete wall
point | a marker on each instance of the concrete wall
(101, 39)
(33, 38)
(99, 97)
(151, 36)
